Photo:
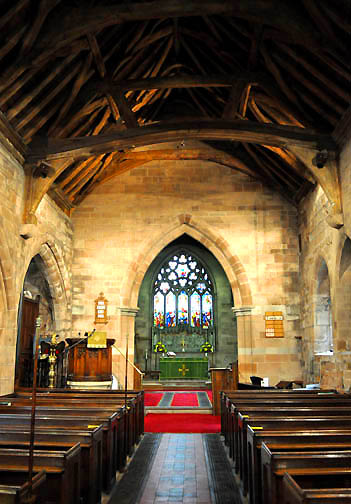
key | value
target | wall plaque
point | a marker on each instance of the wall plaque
(101, 309)
(274, 324)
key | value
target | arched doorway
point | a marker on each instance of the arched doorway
(36, 299)
(186, 335)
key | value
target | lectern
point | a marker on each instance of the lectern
(89, 367)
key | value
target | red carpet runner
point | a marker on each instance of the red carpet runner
(183, 398)
(182, 423)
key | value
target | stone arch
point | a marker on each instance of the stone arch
(323, 330)
(213, 241)
(343, 294)
(6, 278)
(57, 277)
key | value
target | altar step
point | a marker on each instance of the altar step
(178, 409)
(177, 384)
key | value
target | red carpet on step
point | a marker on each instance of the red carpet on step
(182, 423)
(152, 398)
(185, 399)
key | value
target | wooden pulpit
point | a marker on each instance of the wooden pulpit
(89, 367)
(222, 379)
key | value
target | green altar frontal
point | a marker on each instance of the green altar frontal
(184, 368)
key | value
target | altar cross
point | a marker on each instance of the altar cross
(183, 370)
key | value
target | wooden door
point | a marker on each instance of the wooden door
(24, 364)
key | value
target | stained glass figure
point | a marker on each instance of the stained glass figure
(170, 310)
(159, 313)
(183, 308)
(206, 309)
(195, 304)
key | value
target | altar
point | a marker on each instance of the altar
(183, 368)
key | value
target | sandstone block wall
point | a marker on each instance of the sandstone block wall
(51, 239)
(326, 247)
(122, 226)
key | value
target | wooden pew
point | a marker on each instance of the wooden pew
(322, 488)
(233, 403)
(315, 411)
(127, 424)
(282, 423)
(14, 487)
(276, 463)
(245, 405)
(278, 408)
(227, 396)
(91, 452)
(62, 468)
(138, 395)
(50, 419)
(329, 438)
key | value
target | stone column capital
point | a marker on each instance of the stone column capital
(128, 311)
(242, 311)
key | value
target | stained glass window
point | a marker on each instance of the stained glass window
(183, 293)
(159, 313)
(170, 310)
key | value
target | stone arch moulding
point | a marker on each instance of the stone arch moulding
(6, 277)
(57, 276)
(201, 232)
(343, 238)
(322, 308)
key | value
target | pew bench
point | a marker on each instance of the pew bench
(62, 468)
(227, 397)
(239, 452)
(274, 464)
(15, 489)
(233, 406)
(304, 438)
(126, 423)
(99, 395)
(321, 488)
(51, 418)
(91, 452)
(296, 423)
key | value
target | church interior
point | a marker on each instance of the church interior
(175, 182)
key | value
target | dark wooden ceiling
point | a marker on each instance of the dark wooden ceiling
(134, 72)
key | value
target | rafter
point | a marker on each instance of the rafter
(45, 6)
(181, 81)
(245, 131)
(80, 21)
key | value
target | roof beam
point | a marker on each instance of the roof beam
(77, 22)
(181, 81)
(236, 130)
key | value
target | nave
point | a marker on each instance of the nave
(183, 468)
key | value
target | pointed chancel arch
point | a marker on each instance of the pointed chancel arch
(213, 241)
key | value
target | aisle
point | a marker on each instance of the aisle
(183, 468)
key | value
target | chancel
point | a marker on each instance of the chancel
(175, 183)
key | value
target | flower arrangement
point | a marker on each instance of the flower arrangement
(160, 347)
(206, 347)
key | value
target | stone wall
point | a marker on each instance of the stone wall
(124, 224)
(51, 239)
(325, 249)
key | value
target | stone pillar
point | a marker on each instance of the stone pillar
(126, 333)
(246, 365)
